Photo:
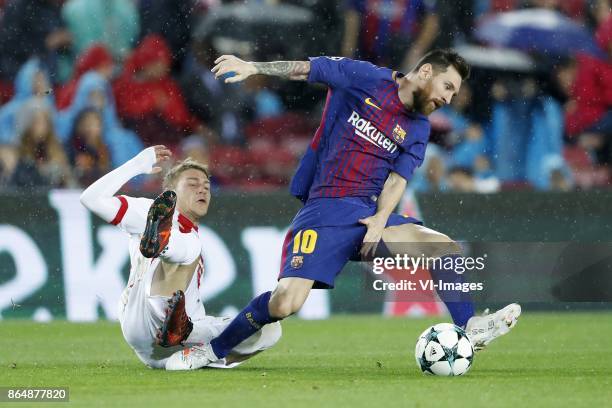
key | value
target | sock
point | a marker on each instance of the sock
(459, 304)
(245, 324)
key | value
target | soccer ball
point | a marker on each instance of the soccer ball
(444, 349)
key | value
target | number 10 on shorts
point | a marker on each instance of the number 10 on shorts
(305, 242)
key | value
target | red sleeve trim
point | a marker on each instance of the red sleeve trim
(121, 212)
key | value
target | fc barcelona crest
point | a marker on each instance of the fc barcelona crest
(399, 134)
(297, 261)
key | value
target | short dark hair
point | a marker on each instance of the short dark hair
(441, 59)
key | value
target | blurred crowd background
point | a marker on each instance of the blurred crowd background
(86, 84)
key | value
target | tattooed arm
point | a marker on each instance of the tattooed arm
(295, 70)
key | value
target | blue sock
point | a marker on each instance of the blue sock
(459, 304)
(245, 324)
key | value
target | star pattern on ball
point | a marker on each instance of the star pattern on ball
(430, 354)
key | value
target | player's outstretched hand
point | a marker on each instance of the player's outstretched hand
(230, 63)
(372, 237)
(162, 154)
(150, 159)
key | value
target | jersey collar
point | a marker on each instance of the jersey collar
(185, 224)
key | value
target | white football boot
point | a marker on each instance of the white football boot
(193, 358)
(482, 330)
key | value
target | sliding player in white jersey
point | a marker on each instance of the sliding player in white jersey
(160, 309)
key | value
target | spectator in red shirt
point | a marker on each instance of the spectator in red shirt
(148, 99)
(98, 58)
(589, 112)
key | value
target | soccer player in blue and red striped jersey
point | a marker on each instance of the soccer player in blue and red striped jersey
(372, 136)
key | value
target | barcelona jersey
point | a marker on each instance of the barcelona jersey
(365, 133)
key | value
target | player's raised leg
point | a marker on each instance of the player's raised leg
(159, 241)
(418, 241)
(156, 235)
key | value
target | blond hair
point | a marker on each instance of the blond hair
(173, 174)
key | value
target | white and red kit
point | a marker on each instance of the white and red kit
(140, 313)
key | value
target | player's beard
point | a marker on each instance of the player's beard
(422, 102)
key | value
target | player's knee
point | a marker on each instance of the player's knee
(435, 244)
(434, 237)
(450, 246)
(443, 246)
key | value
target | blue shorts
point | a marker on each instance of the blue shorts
(326, 234)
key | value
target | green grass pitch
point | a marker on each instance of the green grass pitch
(549, 360)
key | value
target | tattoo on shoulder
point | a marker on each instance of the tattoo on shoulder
(286, 69)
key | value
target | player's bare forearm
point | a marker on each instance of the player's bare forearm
(294, 70)
(429, 32)
(390, 196)
(99, 197)
(387, 201)
(352, 23)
